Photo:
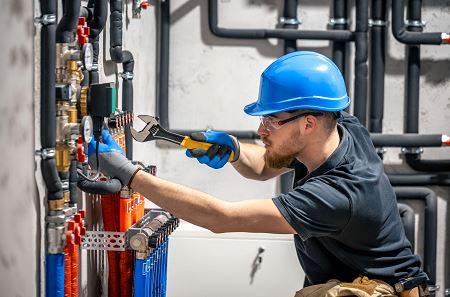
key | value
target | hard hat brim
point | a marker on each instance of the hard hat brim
(313, 103)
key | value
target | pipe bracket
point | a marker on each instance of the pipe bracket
(45, 20)
(338, 21)
(378, 23)
(412, 150)
(127, 75)
(289, 21)
(46, 153)
(415, 23)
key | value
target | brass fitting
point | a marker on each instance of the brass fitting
(83, 101)
(56, 204)
(62, 157)
(66, 196)
(73, 114)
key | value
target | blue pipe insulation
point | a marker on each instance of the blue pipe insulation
(166, 250)
(148, 277)
(54, 271)
(139, 277)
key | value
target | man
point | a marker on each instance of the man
(342, 210)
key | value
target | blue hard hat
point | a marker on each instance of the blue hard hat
(300, 80)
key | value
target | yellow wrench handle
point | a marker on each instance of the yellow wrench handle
(191, 144)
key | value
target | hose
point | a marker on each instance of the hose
(54, 271)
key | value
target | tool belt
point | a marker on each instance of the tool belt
(412, 287)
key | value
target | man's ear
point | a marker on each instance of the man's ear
(310, 124)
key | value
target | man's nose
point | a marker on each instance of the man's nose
(262, 131)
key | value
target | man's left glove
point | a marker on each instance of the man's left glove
(112, 159)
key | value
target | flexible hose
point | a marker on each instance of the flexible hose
(139, 277)
(67, 272)
(54, 270)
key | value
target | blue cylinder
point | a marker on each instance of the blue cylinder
(54, 275)
(148, 277)
(139, 278)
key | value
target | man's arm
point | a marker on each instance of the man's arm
(251, 163)
(259, 216)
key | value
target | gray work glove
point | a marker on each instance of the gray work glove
(112, 160)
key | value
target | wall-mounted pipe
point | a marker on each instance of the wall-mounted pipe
(430, 237)
(340, 22)
(410, 140)
(408, 220)
(68, 22)
(126, 58)
(361, 53)
(290, 21)
(334, 35)
(97, 22)
(403, 33)
(73, 179)
(377, 64)
(422, 179)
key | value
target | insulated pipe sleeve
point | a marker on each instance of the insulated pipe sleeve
(399, 29)
(377, 65)
(68, 22)
(340, 48)
(419, 179)
(162, 104)
(98, 22)
(361, 52)
(429, 198)
(416, 163)
(408, 219)
(408, 140)
(290, 14)
(333, 35)
(139, 277)
(48, 103)
(54, 271)
(115, 38)
(73, 179)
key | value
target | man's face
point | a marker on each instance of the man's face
(283, 143)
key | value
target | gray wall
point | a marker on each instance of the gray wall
(211, 79)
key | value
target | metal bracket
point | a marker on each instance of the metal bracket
(435, 288)
(127, 75)
(104, 240)
(418, 24)
(378, 23)
(380, 150)
(339, 21)
(46, 153)
(411, 150)
(289, 21)
(45, 19)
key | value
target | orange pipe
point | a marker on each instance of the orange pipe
(67, 272)
(74, 275)
(109, 211)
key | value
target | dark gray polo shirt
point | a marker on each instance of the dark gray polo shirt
(346, 217)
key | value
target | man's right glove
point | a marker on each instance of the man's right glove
(219, 153)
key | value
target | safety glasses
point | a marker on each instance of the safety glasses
(272, 124)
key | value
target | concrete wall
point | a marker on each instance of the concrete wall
(211, 79)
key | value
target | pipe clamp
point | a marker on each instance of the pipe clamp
(46, 153)
(289, 21)
(415, 23)
(127, 75)
(378, 23)
(412, 150)
(338, 21)
(45, 19)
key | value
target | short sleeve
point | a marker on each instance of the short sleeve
(315, 209)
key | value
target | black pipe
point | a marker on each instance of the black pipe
(430, 237)
(333, 35)
(290, 22)
(126, 58)
(404, 34)
(408, 220)
(416, 163)
(97, 23)
(407, 140)
(361, 51)
(48, 103)
(438, 179)
(340, 23)
(162, 104)
(68, 22)
(73, 179)
(377, 65)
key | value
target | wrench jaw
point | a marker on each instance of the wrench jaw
(145, 134)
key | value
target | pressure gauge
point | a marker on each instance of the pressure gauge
(86, 129)
(88, 56)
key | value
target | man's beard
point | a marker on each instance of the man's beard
(277, 161)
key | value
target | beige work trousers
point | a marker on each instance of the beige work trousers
(360, 287)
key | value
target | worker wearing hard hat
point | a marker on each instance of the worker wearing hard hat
(342, 209)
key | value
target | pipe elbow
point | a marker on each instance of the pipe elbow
(116, 54)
